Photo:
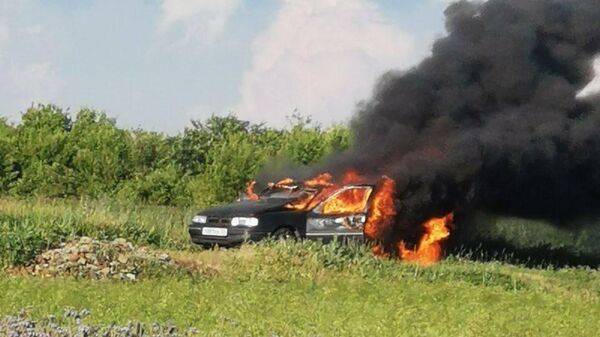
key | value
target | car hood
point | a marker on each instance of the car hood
(247, 207)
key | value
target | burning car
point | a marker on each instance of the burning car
(319, 208)
(316, 209)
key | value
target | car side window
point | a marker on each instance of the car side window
(347, 200)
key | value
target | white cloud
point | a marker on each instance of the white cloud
(23, 80)
(37, 82)
(200, 20)
(320, 57)
(594, 86)
(3, 33)
(3, 37)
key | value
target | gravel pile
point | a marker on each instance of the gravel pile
(86, 257)
(71, 324)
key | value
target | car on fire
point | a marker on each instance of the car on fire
(288, 211)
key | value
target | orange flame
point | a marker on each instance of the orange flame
(429, 249)
(250, 191)
(352, 177)
(323, 179)
(282, 183)
(348, 201)
(322, 182)
(382, 212)
(302, 203)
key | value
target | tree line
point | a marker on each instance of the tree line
(51, 154)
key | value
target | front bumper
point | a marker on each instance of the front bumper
(235, 236)
(326, 237)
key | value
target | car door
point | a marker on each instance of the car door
(342, 214)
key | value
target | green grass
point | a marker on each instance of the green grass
(289, 289)
(28, 226)
(308, 289)
(344, 307)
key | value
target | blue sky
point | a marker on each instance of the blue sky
(157, 64)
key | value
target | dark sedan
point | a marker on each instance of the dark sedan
(274, 215)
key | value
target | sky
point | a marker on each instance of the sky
(157, 64)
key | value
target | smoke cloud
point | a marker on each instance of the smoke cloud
(491, 120)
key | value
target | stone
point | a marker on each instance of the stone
(73, 257)
(122, 258)
(85, 257)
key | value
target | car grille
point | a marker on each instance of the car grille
(218, 221)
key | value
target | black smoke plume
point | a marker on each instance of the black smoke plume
(491, 120)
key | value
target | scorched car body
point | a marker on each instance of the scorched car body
(272, 216)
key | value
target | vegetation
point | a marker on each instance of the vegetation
(50, 154)
(29, 226)
(63, 177)
(286, 288)
(308, 289)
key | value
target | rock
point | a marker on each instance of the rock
(122, 258)
(120, 241)
(85, 257)
(164, 257)
(73, 257)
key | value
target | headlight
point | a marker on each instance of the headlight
(246, 222)
(199, 219)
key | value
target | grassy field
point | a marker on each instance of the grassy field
(290, 289)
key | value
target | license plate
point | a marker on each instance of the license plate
(213, 231)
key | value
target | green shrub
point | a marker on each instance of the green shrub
(149, 151)
(305, 145)
(22, 239)
(49, 154)
(231, 164)
(8, 170)
(190, 150)
(100, 153)
(159, 187)
(42, 155)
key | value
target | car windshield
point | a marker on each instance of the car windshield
(286, 193)
(346, 200)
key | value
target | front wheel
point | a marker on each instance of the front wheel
(284, 233)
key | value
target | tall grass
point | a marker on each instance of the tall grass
(28, 226)
(532, 242)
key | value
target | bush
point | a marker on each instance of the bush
(8, 171)
(159, 187)
(100, 153)
(42, 156)
(49, 154)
